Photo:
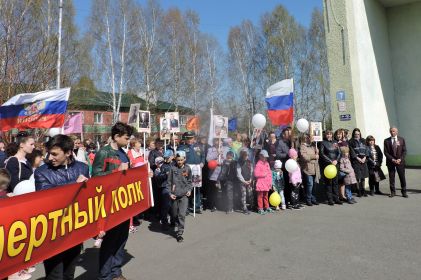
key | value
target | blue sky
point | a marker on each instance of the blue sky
(218, 16)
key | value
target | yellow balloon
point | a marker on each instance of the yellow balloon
(275, 199)
(330, 171)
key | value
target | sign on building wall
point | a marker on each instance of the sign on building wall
(340, 95)
(341, 106)
(346, 117)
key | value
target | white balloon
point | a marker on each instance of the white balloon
(23, 187)
(291, 165)
(53, 131)
(302, 125)
(258, 121)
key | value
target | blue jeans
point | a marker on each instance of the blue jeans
(348, 192)
(309, 187)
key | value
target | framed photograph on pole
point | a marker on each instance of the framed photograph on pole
(164, 128)
(144, 121)
(173, 121)
(134, 115)
(316, 130)
(220, 126)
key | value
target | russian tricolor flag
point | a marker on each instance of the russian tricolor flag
(280, 102)
(44, 109)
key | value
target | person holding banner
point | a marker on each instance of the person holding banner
(61, 169)
(110, 159)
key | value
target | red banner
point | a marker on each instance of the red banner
(39, 225)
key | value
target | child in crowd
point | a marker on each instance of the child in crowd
(374, 166)
(263, 176)
(180, 182)
(347, 171)
(244, 175)
(228, 177)
(296, 181)
(161, 173)
(278, 182)
(4, 184)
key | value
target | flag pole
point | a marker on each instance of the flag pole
(144, 145)
(60, 17)
(83, 121)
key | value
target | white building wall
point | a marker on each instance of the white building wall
(404, 23)
(369, 48)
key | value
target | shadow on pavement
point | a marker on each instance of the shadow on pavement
(88, 260)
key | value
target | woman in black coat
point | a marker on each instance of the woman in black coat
(330, 154)
(374, 166)
(359, 153)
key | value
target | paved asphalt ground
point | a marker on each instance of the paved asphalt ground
(378, 238)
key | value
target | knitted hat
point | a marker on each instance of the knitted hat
(278, 164)
(292, 153)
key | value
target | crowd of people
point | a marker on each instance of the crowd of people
(191, 176)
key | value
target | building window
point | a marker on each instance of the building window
(183, 120)
(98, 117)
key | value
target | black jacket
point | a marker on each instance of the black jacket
(371, 163)
(282, 148)
(228, 171)
(329, 151)
(19, 171)
(48, 176)
(161, 175)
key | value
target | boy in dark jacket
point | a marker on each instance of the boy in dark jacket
(180, 183)
(61, 169)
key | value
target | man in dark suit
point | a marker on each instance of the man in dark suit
(173, 122)
(395, 152)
